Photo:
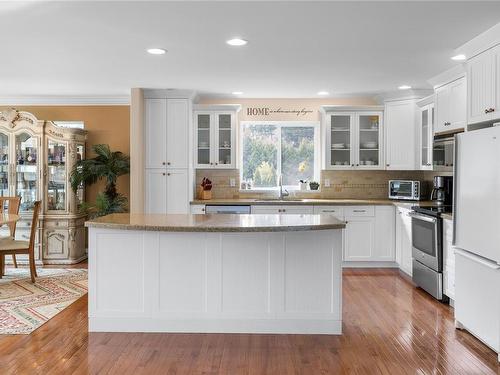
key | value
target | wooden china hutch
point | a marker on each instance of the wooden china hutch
(36, 158)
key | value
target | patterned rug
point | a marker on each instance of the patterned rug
(25, 306)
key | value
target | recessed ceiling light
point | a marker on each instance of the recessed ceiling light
(459, 57)
(404, 87)
(157, 51)
(237, 42)
(323, 93)
(237, 92)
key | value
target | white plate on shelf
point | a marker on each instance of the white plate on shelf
(369, 145)
(338, 145)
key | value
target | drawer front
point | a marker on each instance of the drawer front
(359, 211)
(282, 209)
(335, 211)
(198, 209)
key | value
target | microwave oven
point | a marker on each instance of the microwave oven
(404, 189)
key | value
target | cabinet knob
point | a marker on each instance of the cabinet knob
(352, 165)
(216, 163)
(163, 163)
(168, 174)
(357, 165)
(163, 173)
(168, 163)
(387, 165)
(492, 109)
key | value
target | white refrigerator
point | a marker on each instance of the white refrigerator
(476, 233)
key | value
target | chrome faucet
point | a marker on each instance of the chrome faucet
(282, 193)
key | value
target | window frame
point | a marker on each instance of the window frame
(316, 125)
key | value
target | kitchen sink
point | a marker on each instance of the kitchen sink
(279, 200)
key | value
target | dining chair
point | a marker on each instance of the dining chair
(13, 204)
(12, 246)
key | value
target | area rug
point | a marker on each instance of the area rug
(25, 306)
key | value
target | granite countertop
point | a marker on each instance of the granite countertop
(216, 223)
(317, 202)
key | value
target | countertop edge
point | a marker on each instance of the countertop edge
(284, 228)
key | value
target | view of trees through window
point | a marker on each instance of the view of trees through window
(271, 149)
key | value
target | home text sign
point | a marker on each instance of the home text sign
(269, 111)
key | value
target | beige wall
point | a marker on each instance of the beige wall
(105, 124)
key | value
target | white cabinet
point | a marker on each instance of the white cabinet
(198, 209)
(359, 233)
(282, 209)
(177, 133)
(156, 188)
(155, 147)
(335, 211)
(167, 161)
(354, 140)
(483, 80)
(177, 191)
(215, 136)
(385, 228)
(403, 240)
(448, 259)
(426, 122)
(400, 134)
(451, 106)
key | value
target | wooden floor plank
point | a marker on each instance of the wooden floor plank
(389, 327)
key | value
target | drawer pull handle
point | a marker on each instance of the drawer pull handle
(359, 210)
(329, 211)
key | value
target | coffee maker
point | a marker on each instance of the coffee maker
(442, 190)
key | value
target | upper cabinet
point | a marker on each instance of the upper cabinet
(215, 136)
(425, 136)
(167, 133)
(483, 82)
(451, 109)
(400, 133)
(354, 139)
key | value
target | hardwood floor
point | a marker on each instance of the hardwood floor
(390, 327)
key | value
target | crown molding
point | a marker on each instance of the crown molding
(64, 100)
(450, 75)
(484, 41)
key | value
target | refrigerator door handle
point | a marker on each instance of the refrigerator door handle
(478, 259)
(455, 189)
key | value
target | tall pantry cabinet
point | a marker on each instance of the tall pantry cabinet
(167, 156)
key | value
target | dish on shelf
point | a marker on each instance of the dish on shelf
(339, 129)
(369, 144)
(203, 144)
(338, 145)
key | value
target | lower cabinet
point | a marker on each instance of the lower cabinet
(359, 238)
(167, 191)
(282, 210)
(403, 240)
(448, 259)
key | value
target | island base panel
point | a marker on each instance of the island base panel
(252, 282)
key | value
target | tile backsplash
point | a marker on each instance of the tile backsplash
(343, 184)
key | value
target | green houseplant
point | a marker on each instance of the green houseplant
(106, 165)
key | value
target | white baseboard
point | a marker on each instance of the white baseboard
(369, 264)
(275, 326)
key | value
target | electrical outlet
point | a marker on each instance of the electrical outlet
(232, 182)
(327, 182)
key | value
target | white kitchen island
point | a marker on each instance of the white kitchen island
(215, 273)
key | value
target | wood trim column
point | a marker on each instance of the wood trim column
(136, 150)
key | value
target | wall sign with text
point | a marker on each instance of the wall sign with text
(268, 111)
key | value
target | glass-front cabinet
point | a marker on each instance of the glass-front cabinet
(426, 124)
(215, 136)
(36, 158)
(354, 139)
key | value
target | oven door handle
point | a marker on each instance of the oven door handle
(417, 216)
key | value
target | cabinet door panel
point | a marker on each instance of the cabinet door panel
(406, 246)
(359, 239)
(400, 125)
(177, 133)
(156, 191)
(442, 108)
(481, 86)
(177, 194)
(203, 136)
(224, 141)
(384, 234)
(340, 141)
(369, 141)
(458, 104)
(156, 132)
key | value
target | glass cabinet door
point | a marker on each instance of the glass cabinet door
(224, 139)
(26, 169)
(369, 139)
(340, 140)
(80, 192)
(56, 176)
(4, 165)
(203, 138)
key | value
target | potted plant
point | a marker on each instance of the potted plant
(206, 189)
(302, 185)
(106, 165)
(313, 185)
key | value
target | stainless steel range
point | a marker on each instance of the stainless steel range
(427, 252)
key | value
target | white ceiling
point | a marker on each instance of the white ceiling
(295, 48)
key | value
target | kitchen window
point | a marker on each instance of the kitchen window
(273, 148)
